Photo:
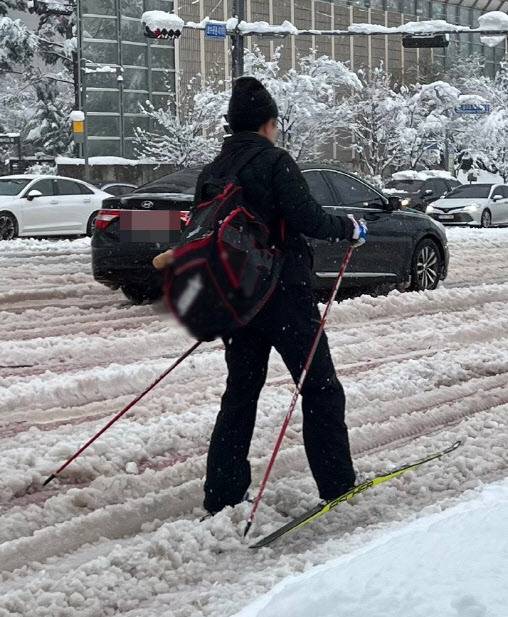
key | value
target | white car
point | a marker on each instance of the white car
(480, 205)
(37, 205)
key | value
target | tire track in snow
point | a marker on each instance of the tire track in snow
(120, 520)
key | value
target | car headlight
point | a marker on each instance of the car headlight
(405, 202)
(430, 209)
(471, 208)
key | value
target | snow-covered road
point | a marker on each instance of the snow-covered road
(113, 538)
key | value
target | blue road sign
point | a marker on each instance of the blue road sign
(473, 108)
(216, 31)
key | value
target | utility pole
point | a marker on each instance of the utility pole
(237, 40)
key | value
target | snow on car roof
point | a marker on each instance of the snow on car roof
(410, 174)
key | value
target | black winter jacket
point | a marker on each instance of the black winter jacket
(276, 188)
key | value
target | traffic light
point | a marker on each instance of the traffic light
(162, 33)
(425, 40)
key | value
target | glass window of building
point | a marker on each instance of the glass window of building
(142, 70)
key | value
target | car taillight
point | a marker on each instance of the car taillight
(105, 218)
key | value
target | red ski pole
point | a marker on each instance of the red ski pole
(298, 390)
(122, 412)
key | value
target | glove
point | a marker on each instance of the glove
(359, 231)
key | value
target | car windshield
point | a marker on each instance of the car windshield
(183, 181)
(466, 191)
(13, 186)
(408, 186)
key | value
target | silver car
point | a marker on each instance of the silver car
(475, 205)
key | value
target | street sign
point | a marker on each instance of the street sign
(215, 31)
(473, 108)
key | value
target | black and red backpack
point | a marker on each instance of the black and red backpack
(227, 262)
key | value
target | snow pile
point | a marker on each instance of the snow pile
(76, 116)
(261, 27)
(450, 564)
(410, 174)
(161, 20)
(494, 20)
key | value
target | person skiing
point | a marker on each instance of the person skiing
(274, 185)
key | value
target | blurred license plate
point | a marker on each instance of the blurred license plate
(152, 226)
(447, 217)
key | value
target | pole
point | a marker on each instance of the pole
(298, 389)
(237, 40)
(81, 83)
(122, 412)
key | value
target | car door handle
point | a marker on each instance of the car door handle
(54, 202)
(87, 200)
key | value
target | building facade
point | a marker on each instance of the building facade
(112, 33)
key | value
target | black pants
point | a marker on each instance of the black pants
(288, 322)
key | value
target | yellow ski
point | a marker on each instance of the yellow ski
(323, 508)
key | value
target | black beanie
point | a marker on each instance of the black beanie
(250, 106)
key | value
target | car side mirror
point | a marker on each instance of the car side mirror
(497, 197)
(394, 203)
(33, 194)
(428, 192)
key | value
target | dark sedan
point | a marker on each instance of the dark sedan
(405, 248)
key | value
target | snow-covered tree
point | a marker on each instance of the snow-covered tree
(311, 98)
(310, 109)
(375, 117)
(36, 64)
(18, 44)
(49, 127)
(428, 113)
(176, 140)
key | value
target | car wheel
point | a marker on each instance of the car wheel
(139, 294)
(8, 226)
(426, 266)
(90, 226)
(486, 220)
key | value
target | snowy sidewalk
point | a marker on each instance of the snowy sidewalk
(447, 564)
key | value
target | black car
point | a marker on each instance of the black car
(405, 248)
(419, 193)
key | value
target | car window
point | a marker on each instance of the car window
(453, 184)
(500, 190)
(406, 186)
(119, 189)
(85, 190)
(352, 192)
(67, 187)
(438, 187)
(318, 188)
(13, 186)
(46, 187)
(468, 191)
(183, 181)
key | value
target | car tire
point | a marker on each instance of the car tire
(426, 266)
(139, 294)
(90, 226)
(8, 226)
(486, 219)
